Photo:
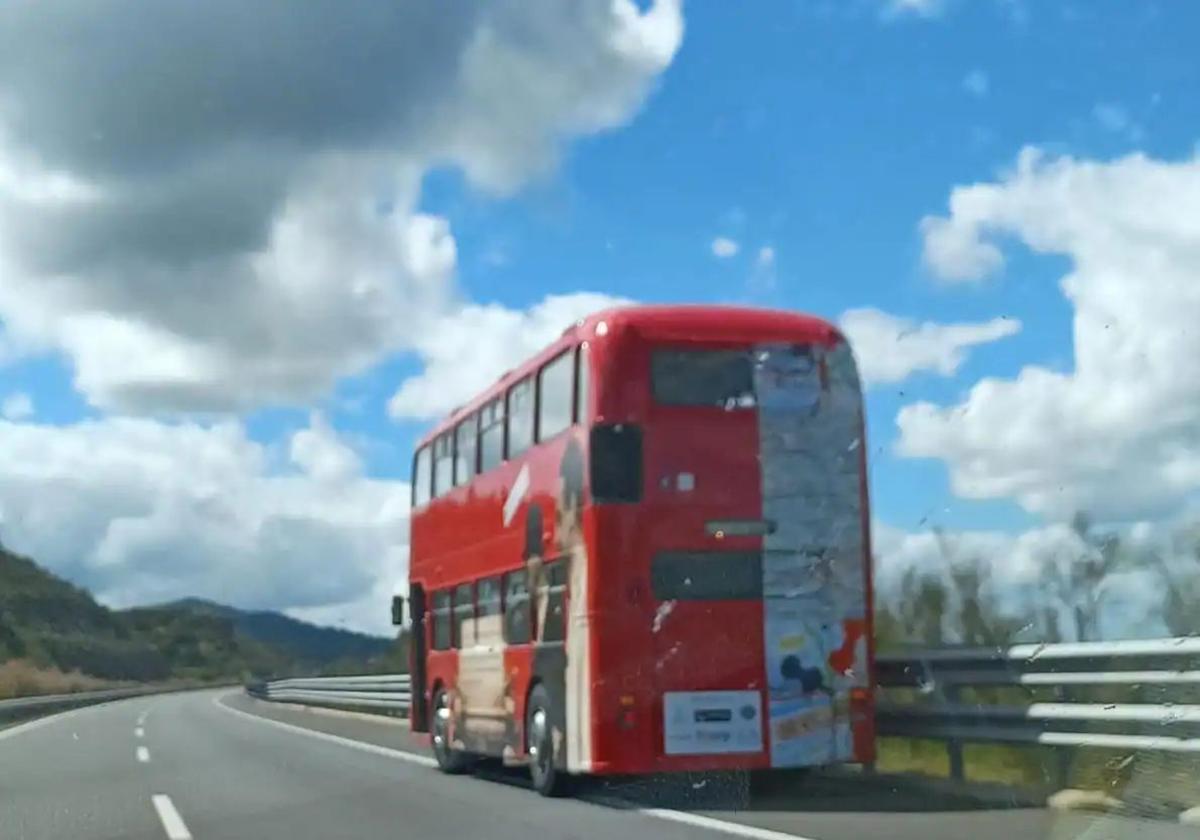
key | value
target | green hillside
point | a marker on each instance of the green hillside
(53, 628)
(304, 642)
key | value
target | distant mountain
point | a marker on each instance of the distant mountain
(49, 624)
(299, 639)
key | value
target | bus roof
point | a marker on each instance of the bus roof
(677, 322)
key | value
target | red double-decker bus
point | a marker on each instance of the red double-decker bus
(646, 549)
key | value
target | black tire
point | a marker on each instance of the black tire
(548, 779)
(449, 760)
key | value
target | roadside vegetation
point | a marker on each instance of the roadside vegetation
(55, 638)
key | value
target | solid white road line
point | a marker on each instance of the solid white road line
(172, 823)
(57, 717)
(412, 758)
(143, 754)
(724, 826)
(139, 732)
(710, 823)
(38, 723)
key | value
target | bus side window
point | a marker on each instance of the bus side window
(488, 619)
(443, 464)
(491, 435)
(554, 396)
(581, 383)
(464, 616)
(516, 608)
(440, 616)
(464, 453)
(520, 417)
(552, 591)
(422, 477)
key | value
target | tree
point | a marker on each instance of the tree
(1179, 577)
(950, 601)
(1076, 584)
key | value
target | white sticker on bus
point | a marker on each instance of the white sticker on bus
(516, 495)
(706, 722)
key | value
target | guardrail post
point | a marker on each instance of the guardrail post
(1062, 755)
(954, 747)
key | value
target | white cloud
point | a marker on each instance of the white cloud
(976, 83)
(890, 349)
(195, 240)
(1014, 565)
(140, 511)
(916, 8)
(766, 257)
(723, 247)
(1015, 558)
(320, 453)
(1117, 435)
(465, 351)
(952, 250)
(17, 406)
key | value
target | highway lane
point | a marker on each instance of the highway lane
(219, 765)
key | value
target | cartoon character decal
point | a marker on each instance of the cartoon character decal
(813, 562)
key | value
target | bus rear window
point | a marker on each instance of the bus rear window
(719, 378)
(707, 576)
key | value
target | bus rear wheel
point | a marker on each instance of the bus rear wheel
(548, 779)
(449, 760)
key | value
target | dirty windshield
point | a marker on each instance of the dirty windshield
(599, 418)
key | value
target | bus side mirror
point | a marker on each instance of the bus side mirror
(397, 610)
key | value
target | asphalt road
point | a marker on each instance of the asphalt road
(209, 765)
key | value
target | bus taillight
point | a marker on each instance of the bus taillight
(627, 719)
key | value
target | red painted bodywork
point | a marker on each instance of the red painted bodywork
(699, 645)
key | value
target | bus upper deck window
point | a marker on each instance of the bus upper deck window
(464, 458)
(520, 417)
(716, 378)
(554, 396)
(422, 477)
(491, 435)
(443, 464)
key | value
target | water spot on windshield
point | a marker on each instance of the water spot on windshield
(660, 615)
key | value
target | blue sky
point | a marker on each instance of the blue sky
(226, 323)
(826, 132)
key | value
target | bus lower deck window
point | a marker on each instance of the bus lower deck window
(516, 608)
(440, 616)
(464, 616)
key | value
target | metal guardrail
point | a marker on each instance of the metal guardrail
(21, 707)
(1146, 672)
(373, 691)
(1117, 695)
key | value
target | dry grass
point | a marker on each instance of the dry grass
(1143, 780)
(21, 678)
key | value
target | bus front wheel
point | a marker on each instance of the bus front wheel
(449, 760)
(548, 779)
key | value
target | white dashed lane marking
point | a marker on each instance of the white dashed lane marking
(172, 823)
